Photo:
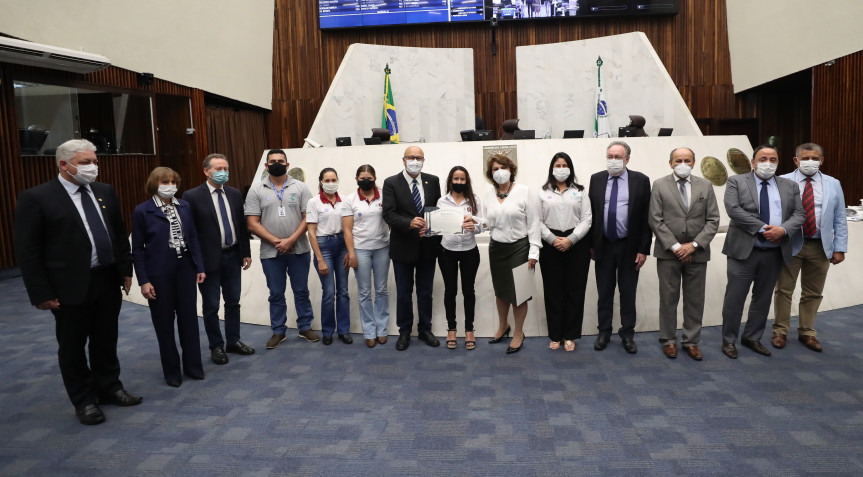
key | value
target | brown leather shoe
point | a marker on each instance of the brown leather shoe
(693, 352)
(382, 340)
(371, 343)
(756, 346)
(728, 349)
(778, 340)
(670, 350)
(810, 342)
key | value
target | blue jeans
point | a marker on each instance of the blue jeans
(227, 280)
(375, 319)
(334, 286)
(297, 268)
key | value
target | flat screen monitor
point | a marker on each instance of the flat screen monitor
(626, 132)
(665, 131)
(371, 141)
(573, 134)
(343, 141)
(483, 135)
(468, 135)
(524, 134)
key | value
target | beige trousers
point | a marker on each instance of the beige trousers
(813, 264)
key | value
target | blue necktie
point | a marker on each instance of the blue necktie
(417, 199)
(226, 219)
(104, 251)
(764, 208)
(611, 226)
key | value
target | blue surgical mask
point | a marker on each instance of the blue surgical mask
(220, 177)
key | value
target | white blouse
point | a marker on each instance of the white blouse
(515, 218)
(466, 241)
(565, 210)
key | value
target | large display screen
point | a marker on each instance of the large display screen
(360, 13)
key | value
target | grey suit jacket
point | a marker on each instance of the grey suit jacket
(672, 223)
(741, 204)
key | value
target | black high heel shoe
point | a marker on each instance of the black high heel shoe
(511, 350)
(504, 335)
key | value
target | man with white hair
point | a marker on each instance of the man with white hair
(74, 255)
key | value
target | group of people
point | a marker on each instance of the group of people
(75, 256)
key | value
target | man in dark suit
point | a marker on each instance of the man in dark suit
(74, 254)
(619, 200)
(414, 255)
(684, 216)
(224, 240)
(764, 211)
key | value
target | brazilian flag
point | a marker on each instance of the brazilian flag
(389, 118)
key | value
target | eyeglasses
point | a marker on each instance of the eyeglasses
(616, 157)
(415, 158)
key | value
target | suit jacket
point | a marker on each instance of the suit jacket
(150, 233)
(638, 230)
(834, 225)
(207, 224)
(672, 223)
(741, 204)
(52, 245)
(399, 209)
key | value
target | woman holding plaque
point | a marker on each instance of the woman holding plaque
(512, 213)
(367, 237)
(565, 257)
(460, 253)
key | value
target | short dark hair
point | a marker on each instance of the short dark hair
(276, 151)
(159, 174)
(504, 161)
(764, 146)
(211, 157)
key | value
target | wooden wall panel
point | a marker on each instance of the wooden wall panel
(240, 135)
(837, 120)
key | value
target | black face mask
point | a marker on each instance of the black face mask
(277, 170)
(459, 188)
(366, 184)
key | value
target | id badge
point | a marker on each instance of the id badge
(282, 211)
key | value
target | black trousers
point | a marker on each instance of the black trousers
(564, 280)
(450, 263)
(617, 267)
(177, 296)
(93, 324)
(404, 274)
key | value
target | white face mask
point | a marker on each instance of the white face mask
(501, 176)
(766, 170)
(809, 167)
(560, 173)
(167, 191)
(614, 166)
(330, 187)
(86, 173)
(682, 170)
(413, 166)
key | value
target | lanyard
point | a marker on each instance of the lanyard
(279, 194)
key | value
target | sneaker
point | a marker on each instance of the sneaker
(309, 335)
(274, 342)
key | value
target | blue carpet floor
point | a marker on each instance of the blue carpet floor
(309, 409)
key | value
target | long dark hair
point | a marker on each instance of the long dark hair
(468, 190)
(571, 181)
(321, 177)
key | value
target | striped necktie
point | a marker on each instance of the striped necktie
(418, 202)
(809, 227)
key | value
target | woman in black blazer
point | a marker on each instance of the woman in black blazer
(168, 263)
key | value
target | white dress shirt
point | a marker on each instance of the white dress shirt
(419, 180)
(466, 241)
(817, 193)
(215, 196)
(517, 217)
(72, 189)
(565, 210)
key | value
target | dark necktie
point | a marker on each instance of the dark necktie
(611, 226)
(683, 193)
(415, 192)
(809, 227)
(226, 219)
(100, 235)
(764, 208)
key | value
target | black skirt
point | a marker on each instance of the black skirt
(502, 258)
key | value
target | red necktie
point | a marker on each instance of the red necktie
(809, 227)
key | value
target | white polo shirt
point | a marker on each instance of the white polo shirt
(370, 231)
(326, 215)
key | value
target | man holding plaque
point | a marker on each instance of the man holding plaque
(414, 255)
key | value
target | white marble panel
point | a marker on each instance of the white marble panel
(557, 86)
(649, 155)
(432, 91)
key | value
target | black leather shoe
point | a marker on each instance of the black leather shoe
(346, 339)
(403, 342)
(195, 376)
(601, 342)
(218, 356)
(174, 382)
(120, 398)
(629, 345)
(756, 346)
(429, 339)
(240, 348)
(89, 414)
(728, 349)
(500, 338)
(328, 340)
